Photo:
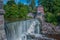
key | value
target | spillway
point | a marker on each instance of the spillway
(24, 30)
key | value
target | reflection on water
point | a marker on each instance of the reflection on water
(21, 29)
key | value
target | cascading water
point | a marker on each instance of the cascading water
(23, 30)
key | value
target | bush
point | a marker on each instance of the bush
(51, 18)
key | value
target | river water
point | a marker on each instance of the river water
(25, 30)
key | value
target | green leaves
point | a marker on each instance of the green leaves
(51, 8)
(23, 11)
(51, 18)
(15, 11)
(31, 4)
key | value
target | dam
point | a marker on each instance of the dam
(25, 30)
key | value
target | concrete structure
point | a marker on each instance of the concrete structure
(2, 32)
(25, 30)
(21, 29)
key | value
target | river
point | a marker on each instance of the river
(25, 30)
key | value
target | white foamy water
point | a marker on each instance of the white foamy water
(24, 30)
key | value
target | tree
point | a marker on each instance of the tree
(28, 2)
(53, 7)
(39, 2)
(10, 2)
(31, 4)
(51, 18)
(48, 5)
(15, 11)
(11, 11)
(23, 12)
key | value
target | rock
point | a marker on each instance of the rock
(57, 29)
(48, 28)
(30, 15)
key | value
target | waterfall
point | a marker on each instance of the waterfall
(31, 28)
(23, 30)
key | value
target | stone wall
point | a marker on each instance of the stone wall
(2, 31)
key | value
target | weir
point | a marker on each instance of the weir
(20, 28)
(24, 30)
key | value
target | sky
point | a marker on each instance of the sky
(22, 1)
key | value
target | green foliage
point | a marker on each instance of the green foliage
(15, 12)
(20, 11)
(11, 2)
(23, 12)
(51, 8)
(51, 18)
(39, 2)
(58, 18)
(31, 4)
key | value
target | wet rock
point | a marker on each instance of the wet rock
(48, 28)
(57, 29)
